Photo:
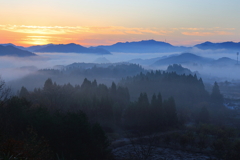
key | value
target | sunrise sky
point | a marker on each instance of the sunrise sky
(104, 22)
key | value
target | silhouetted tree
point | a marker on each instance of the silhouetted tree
(48, 84)
(170, 112)
(143, 100)
(216, 96)
(24, 92)
(68, 133)
(4, 92)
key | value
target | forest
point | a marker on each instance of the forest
(85, 120)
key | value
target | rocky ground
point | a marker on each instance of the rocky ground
(130, 152)
(149, 148)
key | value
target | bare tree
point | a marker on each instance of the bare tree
(4, 91)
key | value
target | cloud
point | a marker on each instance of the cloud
(207, 29)
(33, 29)
(214, 33)
(113, 30)
(223, 33)
(39, 35)
(193, 29)
(56, 30)
(197, 33)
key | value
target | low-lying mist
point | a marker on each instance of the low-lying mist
(221, 72)
(215, 54)
(213, 73)
(14, 68)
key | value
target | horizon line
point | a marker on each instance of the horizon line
(25, 46)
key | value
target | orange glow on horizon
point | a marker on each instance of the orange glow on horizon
(92, 36)
(36, 40)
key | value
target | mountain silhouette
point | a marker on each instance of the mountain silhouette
(144, 46)
(71, 48)
(223, 62)
(215, 46)
(10, 50)
(37, 47)
(10, 44)
(184, 58)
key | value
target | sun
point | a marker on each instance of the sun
(36, 40)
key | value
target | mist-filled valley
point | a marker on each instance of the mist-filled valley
(103, 102)
(210, 65)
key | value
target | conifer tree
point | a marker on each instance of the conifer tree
(23, 92)
(216, 96)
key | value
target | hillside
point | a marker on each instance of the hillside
(184, 58)
(10, 50)
(215, 46)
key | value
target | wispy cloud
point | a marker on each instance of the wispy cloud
(223, 33)
(214, 33)
(207, 31)
(97, 35)
(115, 30)
(197, 33)
(193, 29)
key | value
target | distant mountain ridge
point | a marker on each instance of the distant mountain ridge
(13, 45)
(224, 61)
(71, 48)
(144, 46)
(10, 50)
(37, 47)
(184, 58)
(192, 59)
(223, 45)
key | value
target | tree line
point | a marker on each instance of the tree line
(66, 121)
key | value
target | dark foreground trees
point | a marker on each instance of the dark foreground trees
(58, 113)
(31, 132)
(100, 103)
(4, 91)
